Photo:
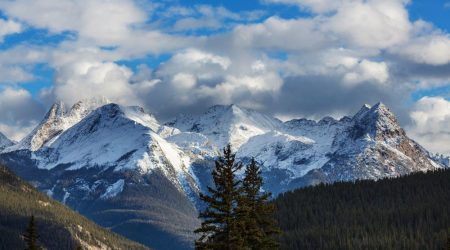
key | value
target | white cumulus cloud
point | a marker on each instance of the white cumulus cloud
(366, 71)
(431, 127)
(371, 24)
(105, 22)
(18, 112)
(432, 49)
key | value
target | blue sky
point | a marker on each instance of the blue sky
(288, 58)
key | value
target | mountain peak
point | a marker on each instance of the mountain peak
(111, 110)
(327, 120)
(377, 121)
(362, 112)
(85, 106)
(376, 111)
(56, 121)
(58, 109)
(382, 112)
(380, 106)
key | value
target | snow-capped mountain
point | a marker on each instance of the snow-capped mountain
(56, 121)
(224, 125)
(5, 142)
(111, 160)
(119, 138)
(124, 169)
(370, 145)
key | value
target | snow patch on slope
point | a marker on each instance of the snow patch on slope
(138, 115)
(195, 144)
(174, 156)
(113, 190)
(276, 150)
(227, 124)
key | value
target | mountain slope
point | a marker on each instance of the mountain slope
(410, 212)
(5, 142)
(59, 227)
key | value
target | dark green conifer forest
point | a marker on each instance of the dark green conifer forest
(411, 212)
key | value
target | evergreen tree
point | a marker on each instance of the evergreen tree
(220, 227)
(31, 236)
(255, 212)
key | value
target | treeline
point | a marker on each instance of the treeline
(410, 212)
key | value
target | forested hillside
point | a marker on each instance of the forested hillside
(411, 212)
(58, 226)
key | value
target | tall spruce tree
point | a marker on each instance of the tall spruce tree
(255, 212)
(220, 228)
(31, 236)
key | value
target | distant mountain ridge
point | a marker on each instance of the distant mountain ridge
(123, 168)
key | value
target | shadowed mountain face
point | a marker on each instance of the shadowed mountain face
(5, 142)
(58, 227)
(125, 170)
